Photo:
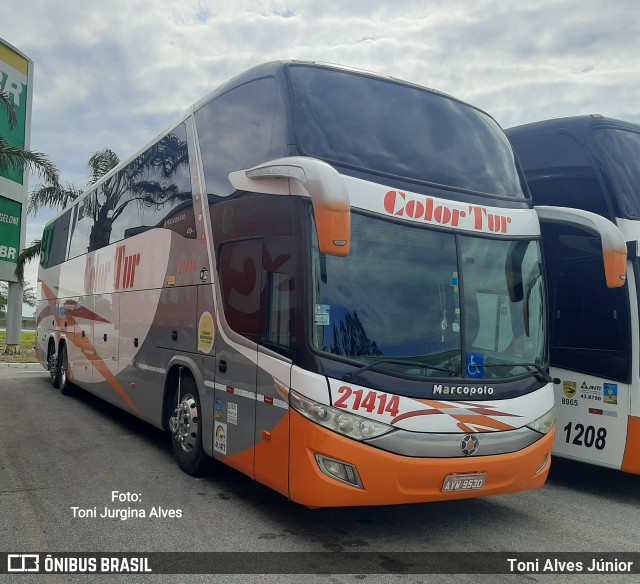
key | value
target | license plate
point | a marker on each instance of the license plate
(464, 482)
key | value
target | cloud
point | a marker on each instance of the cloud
(116, 74)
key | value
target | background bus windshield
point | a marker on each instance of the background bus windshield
(620, 150)
(381, 126)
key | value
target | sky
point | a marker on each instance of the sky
(115, 73)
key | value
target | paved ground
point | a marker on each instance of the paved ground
(62, 458)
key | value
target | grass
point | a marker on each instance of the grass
(27, 353)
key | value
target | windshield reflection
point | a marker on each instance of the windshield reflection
(402, 304)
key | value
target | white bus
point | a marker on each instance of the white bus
(590, 163)
(327, 279)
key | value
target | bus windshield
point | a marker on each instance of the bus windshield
(386, 127)
(424, 303)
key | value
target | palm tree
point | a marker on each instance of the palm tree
(7, 102)
(50, 196)
(55, 196)
(12, 157)
(131, 185)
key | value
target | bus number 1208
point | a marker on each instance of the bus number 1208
(585, 436)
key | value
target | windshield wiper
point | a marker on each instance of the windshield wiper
(389, 360)
(540, 371)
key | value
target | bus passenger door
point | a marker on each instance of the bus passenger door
(240, 267)
(277, 339)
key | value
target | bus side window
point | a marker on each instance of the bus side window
(589, 322)
(127, 217)
(258, 290)
(240, 129)
(278, 298)
(54, 241)
(162, 185)
(83, 225)
(153, 190)
(240, 265)
(279, 311)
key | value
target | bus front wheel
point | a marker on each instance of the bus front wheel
(186, 429)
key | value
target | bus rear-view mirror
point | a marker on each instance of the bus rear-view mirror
(306, 177)
(613, 248)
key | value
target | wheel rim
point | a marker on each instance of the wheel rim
(185, 423)
(52, 365)
(63, 368)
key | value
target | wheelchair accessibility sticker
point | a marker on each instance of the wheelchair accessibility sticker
(475, 365)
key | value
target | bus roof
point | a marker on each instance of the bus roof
(580, 125)
(274, 69)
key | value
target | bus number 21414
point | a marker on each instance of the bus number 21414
(588, 436)
(369, 402)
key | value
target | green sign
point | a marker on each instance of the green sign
(10, 212)
(13, 83)
(16, 73)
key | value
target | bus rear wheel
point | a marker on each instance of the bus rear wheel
(66, 388)
(186, 429)
(52, 363)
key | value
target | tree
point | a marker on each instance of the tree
(28, 296)
(145, 181)
(8, 104)
(12, 157)
(56, 196)
(350, 338)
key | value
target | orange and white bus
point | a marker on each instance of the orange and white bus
(590, 163)
(327, 279)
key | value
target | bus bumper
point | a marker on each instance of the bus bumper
(389, 479)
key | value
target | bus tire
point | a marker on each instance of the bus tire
(66, 387)
(186, 429)
(52, 363)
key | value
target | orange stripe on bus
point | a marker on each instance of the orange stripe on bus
(88, 348)
(268, 461)
(631, 460)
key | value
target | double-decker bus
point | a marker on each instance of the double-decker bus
(590, 163)
(327, 279)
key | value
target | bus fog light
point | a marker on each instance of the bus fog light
(335, 468)
(340, 471)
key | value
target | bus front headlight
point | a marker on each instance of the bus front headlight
(339, 421)
(544, 423)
